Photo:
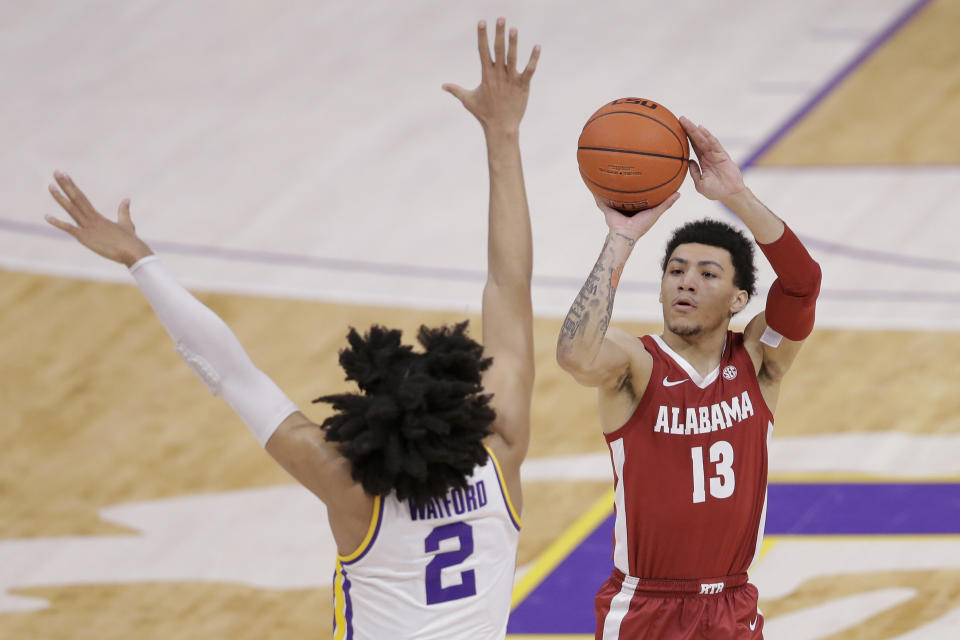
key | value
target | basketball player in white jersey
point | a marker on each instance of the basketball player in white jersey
(420, 470)
(687, 414)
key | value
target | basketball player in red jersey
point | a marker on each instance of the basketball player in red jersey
(687, 415)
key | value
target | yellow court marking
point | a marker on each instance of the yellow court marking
(561, 548)
(765, 546)
(921, 62)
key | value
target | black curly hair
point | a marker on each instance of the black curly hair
(719, 234)
(417, 426)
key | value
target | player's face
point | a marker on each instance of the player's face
(697, 290)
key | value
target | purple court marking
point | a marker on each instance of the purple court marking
(562, 603)
(304, 261)
(863, 509)
(835, 81)
(838, 248)
(884, 257)
(464, 275)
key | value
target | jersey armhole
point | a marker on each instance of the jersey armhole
(753, 374)
(644, 399)
(375, 519)
(503, 489)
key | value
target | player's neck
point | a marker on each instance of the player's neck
(702, 350)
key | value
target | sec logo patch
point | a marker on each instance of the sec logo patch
(729, 372)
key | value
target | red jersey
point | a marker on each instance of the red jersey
(690, 468)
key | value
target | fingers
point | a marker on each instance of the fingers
(661, 208)
(123, 216)
(687, 125)
(700, 137)
(498, 40)
(532, 64)
(695, 172)
(76, 196)
(66, 204)
(483, 44)
(604, 207)
(512, 50)
(697, 140)
(455, 90)
(63, 226)
(709, 137)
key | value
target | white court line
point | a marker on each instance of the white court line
(892, 454)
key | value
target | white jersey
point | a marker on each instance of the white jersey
(442, 570)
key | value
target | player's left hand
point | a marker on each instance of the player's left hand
(115, 241)
(634, 226)
(716, 176)
(501, 99)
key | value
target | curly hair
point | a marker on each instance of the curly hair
(719, 234)
(418, 425)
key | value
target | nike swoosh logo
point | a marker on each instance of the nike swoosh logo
(753, 625)
(672, 383)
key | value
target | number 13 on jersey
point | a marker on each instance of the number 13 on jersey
(723, 482)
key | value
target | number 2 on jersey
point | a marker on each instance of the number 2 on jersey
(721, 485)
(436, 592)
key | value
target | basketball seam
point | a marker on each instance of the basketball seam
(634, 113)
(639, 153)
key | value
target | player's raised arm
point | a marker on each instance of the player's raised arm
(588, 348)
(499, 103)
(209, 347)
(775, 335)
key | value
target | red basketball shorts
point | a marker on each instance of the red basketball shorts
(629, 608)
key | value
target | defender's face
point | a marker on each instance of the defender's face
(697, 290)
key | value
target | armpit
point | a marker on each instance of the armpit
(625, 383)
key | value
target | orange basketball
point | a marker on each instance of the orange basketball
(633, 154)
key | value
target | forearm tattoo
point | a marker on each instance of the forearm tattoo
(579, 315)
(591, 298)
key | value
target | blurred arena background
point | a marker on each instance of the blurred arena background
(297, 165)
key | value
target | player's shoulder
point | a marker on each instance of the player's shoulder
(639, 353)
(749, 338)
(633, 344)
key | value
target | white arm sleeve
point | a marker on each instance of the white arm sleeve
(212, 350)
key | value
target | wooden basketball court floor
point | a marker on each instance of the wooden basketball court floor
(298, 166)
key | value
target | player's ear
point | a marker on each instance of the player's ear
(739, 301)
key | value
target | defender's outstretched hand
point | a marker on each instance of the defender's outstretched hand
(115, 241)
(501, 98)
(717, 176)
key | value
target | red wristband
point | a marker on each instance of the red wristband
(792, 300)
